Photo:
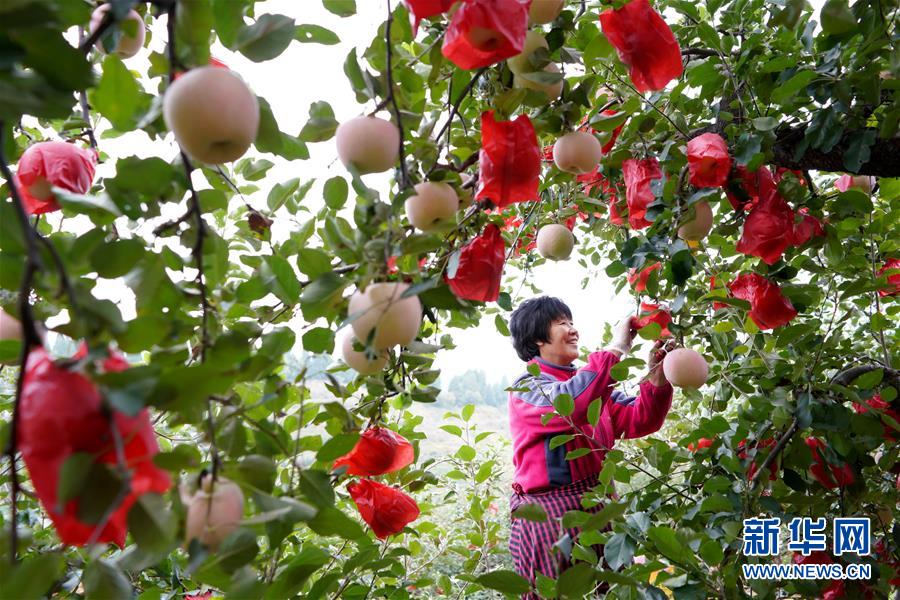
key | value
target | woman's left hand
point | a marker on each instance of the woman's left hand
(658, 352)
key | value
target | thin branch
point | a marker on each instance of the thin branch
(85, 45)
(30, 336)
(82, 100)
(454, 108)
(779, 446)
(404, 173)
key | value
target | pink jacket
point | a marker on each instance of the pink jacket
(538, 467)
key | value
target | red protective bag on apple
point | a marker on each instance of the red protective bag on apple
(652, 313)
(484, 32)
(61, 415)
(480, 267)
(743, 454)
(509, 161)
(743, 187)
(385, 509)
(877, 404)
(378, 451)
(893, 287)
(708, 160)
(808, 228)
(768, 229)
(639, 280)
(637, 175)
(768, 307)
(644, 43)
(422, 9)
(57, 164)
(830, 476)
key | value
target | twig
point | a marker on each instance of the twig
(776, 450)
(404, 173)
(82, 100)
(30, 336)
(85, 45)
(454, 109)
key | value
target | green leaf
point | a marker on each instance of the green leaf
(104, 581)
(321, 124)
(868, 381)
(530, 512)
(507, 582)
(33, 577)
(602, 122)
(237, 550)
(837, 18)
(315, 34)
(280, 276)
(467, 411)
(500, 324)
(265, 39)
(792, 86)
(73, 476)
(859, 149)
(118, 95)
(47, 52)
(100, 209)
(319, 339)
(316, 486)
(331, 521)
(765, 123)
(337, 446)
(280, 193)
(593, 411)
(558, 440)
(618, 551)
(564, 404)
(335, 192)
(576, 581)
(151, 523)
(313, 262)
(116, 258)
(342, 8)
(667, 542)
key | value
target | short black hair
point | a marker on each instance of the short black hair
(530, 323)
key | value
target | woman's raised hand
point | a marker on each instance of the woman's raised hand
(657, 354)
(622, 337)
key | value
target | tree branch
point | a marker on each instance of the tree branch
(779, 446)
(884, 155)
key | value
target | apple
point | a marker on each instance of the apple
(555, 241)
(520, 63)
(358, 360)
(577, 152)
(10, 328)
(214, 511)
(863, 183)
(551, 90)
(212, 113)
(685, 368)
(433, 204)
(545, 11)
(697, 227)
(131, 32)
(369, 144)
(380, 307)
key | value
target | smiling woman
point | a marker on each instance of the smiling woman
(551, 416)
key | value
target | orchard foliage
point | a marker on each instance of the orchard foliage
(791, 297)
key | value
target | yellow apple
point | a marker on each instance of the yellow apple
(131, 29)
(369, 144)
(213, 114)
(577, 152)
(214, 512)
(520, 63)
(555, 242)
(432, 206)
(545, 11)
(696, 228)
(358, 361)
(685, 368)
(380, 307)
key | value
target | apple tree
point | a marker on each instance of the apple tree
(734, 165)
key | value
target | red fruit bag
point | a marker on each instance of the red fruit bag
(480, 267)
(806, 229)
(768, 229)
(484, 32)
(637, 175)
(751, 470)
(386, 509)
(378, 451)
(644, 43)
(743, 188)
(830, 476)
(768, 307)
(639, 280)
(60, 415)
(652, 313)
(55, 163)
(893, 287)
(422, 9)
(509, 162)
(708, 160)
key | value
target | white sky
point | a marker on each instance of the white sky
(303, 74)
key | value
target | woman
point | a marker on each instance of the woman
(543, 333)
